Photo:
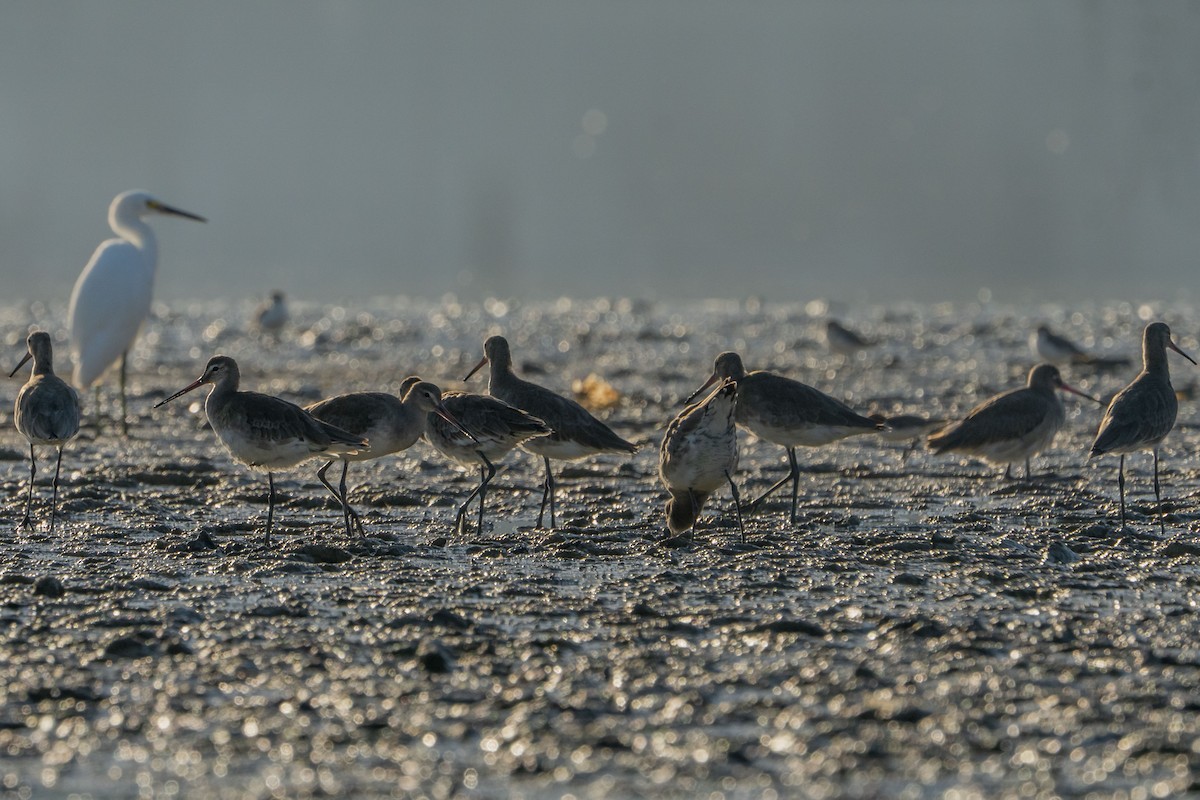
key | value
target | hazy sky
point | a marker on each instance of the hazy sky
(854, 150)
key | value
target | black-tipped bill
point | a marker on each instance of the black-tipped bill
(196, 384)
(692, 397)
(18, 366)
(475, 369)
(442, 412)
(1175, 347)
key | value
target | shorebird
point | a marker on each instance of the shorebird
(112, 295)
(1012, 426)
(786, 412)
(271, 316)
(1050, 346)
(575, 433)
(843, 341)
(263, 432)
(698, 455)
(909, 428)
(389, 425)
(490, 429)
(47, 413)
(1141, 415)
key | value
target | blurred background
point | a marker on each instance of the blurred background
(862, 150)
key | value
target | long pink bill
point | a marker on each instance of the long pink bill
(196, 384)
(1068, 388)
(692, 397)
(1175, 347)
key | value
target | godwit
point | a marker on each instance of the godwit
(1143, 413)
(112, 295)
(271, 316)
(386, 422)
(843, 341)
(575, 433)
(698, 455)
(47, 412)
(492, 429)
(1013, 426)
(786, 412)
(263, 432)
(909, 428)
(1050, 346)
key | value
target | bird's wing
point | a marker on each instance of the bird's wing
(1006, 416)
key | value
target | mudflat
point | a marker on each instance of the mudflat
(926, 629)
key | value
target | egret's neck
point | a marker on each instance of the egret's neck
(135, 231)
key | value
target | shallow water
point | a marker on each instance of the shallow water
(925, 627)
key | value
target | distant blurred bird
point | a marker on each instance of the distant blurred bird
(271, 316)
(909, 428)
(112, 296)
(699, 455)
(843, 341)
(1012, 426)
(1050, 346)
(47, 413)
(1143, 413)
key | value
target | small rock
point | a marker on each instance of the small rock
(149, 585)
(326, 554)
(449, 619)
(1059, 553)
(127, 647)
(1178, 549)
(793, 626)
(435, 657)
(908, 579)
(49, 586)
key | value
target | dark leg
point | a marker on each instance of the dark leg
(1027, 473)
(352, 518)
(270, 506)
(1008, 472)
(695, 513)
(1121, 487)
(124, 408)
(54, 502)
(487, 471)
(793, 476)
(737, 504)
(1162, 526)
(547, 495)
(28, 521)
(340, 497)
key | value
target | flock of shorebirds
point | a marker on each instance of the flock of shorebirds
(698, 454)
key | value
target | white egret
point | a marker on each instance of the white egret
(112, 296)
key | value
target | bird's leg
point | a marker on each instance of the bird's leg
(1162, 526)
(1121, 488)
(793, 476)
(1008, 472)
(547, 495)
(124, 408)
(27, 522)
(460, 519)
(695, 514)
(737, 503)
(325, 482)
(351, 515)
(487, 471)
(1027, 472)
(270, 507)
(54, 502)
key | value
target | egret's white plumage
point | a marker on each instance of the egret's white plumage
(112, 296)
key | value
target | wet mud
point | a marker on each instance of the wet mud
(925, 629)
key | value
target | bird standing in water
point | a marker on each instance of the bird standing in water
(47, 413)
(576, 433)
(1141, 415)
(1012, 426)
(111, 298)
(263, 432)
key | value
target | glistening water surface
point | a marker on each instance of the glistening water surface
(925, 629)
